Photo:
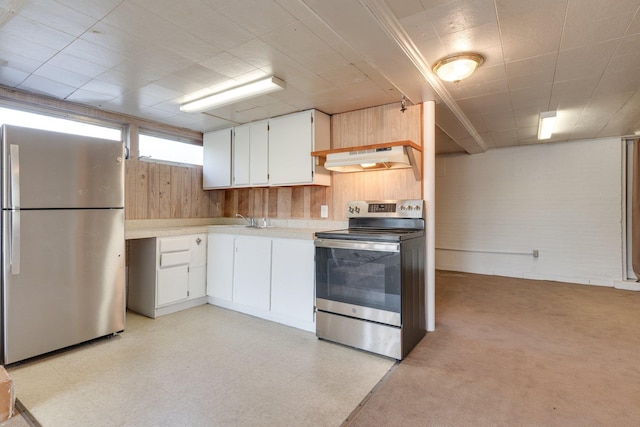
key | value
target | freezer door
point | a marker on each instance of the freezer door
(44, 170)
(70, 284)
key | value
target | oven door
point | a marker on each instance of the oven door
(359, 279)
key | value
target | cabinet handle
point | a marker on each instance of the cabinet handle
(198, 241)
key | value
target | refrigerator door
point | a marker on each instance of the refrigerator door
(51, 170)
(70, 284)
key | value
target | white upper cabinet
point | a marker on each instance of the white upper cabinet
(216, 172)
(242, 155)
(292, 138)
(259, 160)
(269, 152)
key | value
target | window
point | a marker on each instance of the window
(168, 150)
(44, 122)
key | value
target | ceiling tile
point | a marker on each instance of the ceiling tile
(57, 16)
(584, 62)
(505, 138)
(536, 96)
(487, 103)
(627, 118)
(573, 92)
(405, 8)
(71, 63)
(255, 52)
(33, 31)
(543, 64)
(96, 9)
(227, 65)
(97, 100)
(594, 30)
(45, 86)
(585, 12)
(18, 62)
(464, 15)
(26, 48)
(498, 121)
(12, 77)
(61, 75)
(634, 27)
(516, 9)
(94, 53)
(475, 39)
(101, 87)
(257, 16)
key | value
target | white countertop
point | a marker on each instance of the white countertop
(285, 229)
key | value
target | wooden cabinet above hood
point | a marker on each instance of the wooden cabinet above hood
(386, 155)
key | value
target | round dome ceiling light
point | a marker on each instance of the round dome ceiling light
(459, 66)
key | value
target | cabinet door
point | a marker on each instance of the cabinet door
(198, 248)
(220, 266)
(252, 272)
(241, 155)
(259, 159)
(292, 278)
(216, 169)
(173, 284)
(290, 146)
(197, 282)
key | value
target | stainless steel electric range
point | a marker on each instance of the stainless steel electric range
(370, 278)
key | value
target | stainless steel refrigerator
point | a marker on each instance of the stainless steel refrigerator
(62, 240)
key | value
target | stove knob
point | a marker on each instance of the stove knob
(357, 209)
(350, 209)
(418, 208)
(410, 208)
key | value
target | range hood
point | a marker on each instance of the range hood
(392, 155)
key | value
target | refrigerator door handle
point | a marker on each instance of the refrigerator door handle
(15, 242)
(14, 165)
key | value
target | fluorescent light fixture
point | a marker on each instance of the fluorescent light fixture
(454, 68)
(546, 124)
(238, 93)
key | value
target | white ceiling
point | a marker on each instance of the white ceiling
(145, 57)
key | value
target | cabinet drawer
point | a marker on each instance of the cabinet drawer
(174, 244)
(175, 258)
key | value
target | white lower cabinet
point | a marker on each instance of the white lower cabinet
(264, 277)
(251, 271)
(173, 284)
(167, 274)
(220, 267)
(292, 279)
(198, 266)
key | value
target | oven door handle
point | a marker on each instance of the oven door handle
(357, 245)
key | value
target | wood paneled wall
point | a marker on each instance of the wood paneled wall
(371, 126)
(161, 191)
(301, 202)
(157, 191)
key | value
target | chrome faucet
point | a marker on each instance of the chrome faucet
(251, 221)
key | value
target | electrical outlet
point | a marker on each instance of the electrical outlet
(324, 211)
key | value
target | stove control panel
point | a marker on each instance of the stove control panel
(413, 208)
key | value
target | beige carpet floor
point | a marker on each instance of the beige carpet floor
(514, 352)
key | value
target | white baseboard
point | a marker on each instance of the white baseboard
(627, 285)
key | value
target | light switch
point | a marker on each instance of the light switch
(324, 211)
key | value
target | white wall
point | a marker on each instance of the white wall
(563, 199)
